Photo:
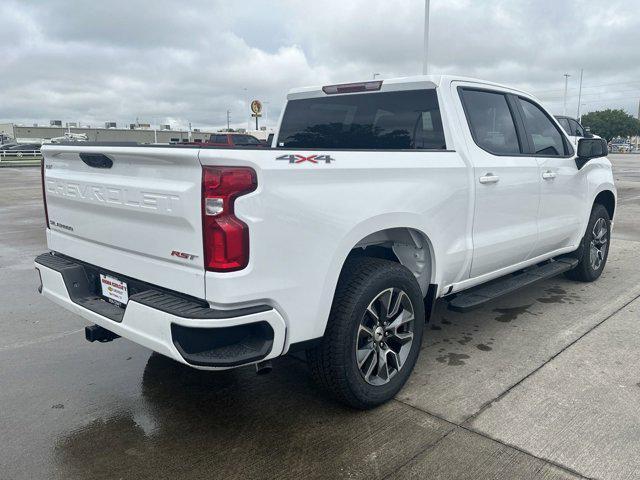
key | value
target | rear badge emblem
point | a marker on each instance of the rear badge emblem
(293, 158)
(186, 256)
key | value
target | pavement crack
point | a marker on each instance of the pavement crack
(455, 426)
(515, 447)
(489, 403)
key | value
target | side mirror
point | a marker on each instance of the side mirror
(590, 148)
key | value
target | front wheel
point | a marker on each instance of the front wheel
(594, 247)
(374, 333)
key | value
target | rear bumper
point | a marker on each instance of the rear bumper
(184, 329)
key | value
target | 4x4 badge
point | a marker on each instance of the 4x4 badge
(311, 158)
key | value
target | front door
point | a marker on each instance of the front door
(563, 191)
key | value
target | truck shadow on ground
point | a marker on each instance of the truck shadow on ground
(189, 422)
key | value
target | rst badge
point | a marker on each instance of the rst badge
(186, 256)
(296, 158)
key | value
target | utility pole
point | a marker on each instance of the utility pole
(638, 133)
(425, 53)
(580, 94)
(228, 119)
(246, 105)
(566, 84)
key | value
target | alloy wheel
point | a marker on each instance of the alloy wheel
(599, 244)
(385, 336)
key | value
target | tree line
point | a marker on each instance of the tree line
(610, 123)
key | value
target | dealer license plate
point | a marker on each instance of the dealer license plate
(115, 290)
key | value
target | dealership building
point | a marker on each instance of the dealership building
(135, 132)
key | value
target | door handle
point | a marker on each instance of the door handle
(489, 178)
(549, 175)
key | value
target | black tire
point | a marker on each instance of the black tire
(333, 362)
(587, 270)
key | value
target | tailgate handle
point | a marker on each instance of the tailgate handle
(96, 160)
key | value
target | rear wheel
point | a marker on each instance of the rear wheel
(594, 247)
(374, 333)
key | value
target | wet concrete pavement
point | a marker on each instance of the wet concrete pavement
(544, 383)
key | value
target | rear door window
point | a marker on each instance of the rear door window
(382, 121)
(545, 137)
(491, 121)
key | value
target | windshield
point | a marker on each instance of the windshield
(382, 120)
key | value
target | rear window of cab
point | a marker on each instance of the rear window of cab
(403, 120)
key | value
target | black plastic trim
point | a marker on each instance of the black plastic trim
(223, 346)
(304, 345)
(181, 307)
(483, 293)
(430, 302)
(82, 282)
(80, 289)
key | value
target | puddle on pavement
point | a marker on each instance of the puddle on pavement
(507, 315)
(453, 359)
(557, 294)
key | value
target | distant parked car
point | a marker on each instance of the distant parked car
(25, 147)
(574, 129)
(231, 140)
(620, 145)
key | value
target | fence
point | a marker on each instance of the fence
(21, 156)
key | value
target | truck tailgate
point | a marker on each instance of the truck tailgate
(130, 210)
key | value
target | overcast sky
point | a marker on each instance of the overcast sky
(175, 62)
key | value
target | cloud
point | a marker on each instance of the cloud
(191, 61)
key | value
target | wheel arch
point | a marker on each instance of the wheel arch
(408, 246)
(607, 199)
(379, 234)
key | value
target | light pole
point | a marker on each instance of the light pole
(580, 94)
(246, 106)
(375, 75)
(566, 83)
(228, 119)
(425, 60)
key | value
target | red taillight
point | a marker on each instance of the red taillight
(225, 237)
(44, 193)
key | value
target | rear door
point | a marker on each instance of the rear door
(135, 211)
(507, 181)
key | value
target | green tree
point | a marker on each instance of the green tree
(611, 123)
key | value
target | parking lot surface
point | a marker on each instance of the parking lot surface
(543, 383)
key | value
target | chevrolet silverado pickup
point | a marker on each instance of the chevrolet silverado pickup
(377, 199)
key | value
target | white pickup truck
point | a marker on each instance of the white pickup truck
(376, 199)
